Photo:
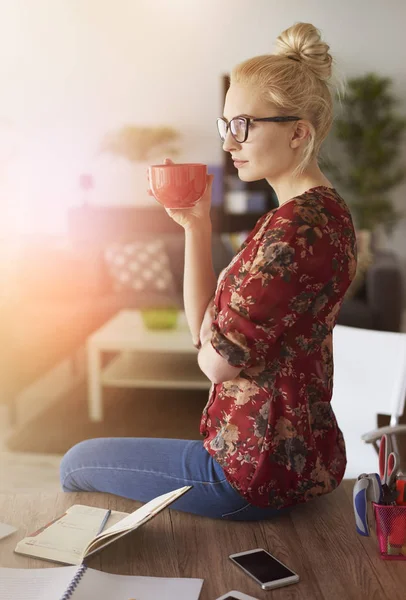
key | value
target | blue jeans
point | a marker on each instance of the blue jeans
(143, 468)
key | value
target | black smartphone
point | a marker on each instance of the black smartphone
(264, 568)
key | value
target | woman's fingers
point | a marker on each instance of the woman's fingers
(168, 161)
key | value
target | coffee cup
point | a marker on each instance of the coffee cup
(178, 185)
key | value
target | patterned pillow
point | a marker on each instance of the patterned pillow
(140, 266)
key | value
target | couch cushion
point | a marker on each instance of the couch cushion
(140, 266)
(222, 254)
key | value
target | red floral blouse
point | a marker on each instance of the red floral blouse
(272, 428)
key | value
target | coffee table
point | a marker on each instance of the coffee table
(317, 540)
(145, 358)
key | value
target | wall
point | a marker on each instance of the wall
(72, 70)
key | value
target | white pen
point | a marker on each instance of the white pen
(103, 523)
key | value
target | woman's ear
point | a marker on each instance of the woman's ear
(300, 133)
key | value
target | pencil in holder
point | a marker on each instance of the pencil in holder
(390, 523)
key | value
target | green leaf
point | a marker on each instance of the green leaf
(366, 140)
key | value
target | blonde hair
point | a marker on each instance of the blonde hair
(295, 79)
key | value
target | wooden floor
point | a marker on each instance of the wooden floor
(317, 540)
(23, 472)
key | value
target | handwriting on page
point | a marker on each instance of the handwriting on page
(65, 538)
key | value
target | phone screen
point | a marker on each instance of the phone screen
(263, 566)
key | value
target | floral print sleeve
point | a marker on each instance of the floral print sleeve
(272, 428)
(273, 287)
(277, 281)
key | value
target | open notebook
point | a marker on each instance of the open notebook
(63, 583)
(73, 537)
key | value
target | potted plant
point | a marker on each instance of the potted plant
(368, 166)
(141, 146)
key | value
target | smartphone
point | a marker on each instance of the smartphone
(267, 570)
(234, 595)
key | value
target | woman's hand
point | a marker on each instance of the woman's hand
(196, 215)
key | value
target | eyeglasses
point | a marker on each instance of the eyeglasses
(239, 126)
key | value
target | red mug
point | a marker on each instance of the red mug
(178, 185)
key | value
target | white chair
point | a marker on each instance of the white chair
(369, 378)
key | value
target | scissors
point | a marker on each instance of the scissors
(388, 469)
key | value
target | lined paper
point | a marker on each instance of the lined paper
(35, 584)
(50, 584)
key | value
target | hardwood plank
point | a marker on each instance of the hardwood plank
(203, 552)
(220, 574)
(283, 541)
(318, 540)
(27, 514)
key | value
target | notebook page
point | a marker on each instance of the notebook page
(135, 519)
(35, 584)
(139, 515)
(105, 586)
(100, 543)
(65, 539)
(50, 584)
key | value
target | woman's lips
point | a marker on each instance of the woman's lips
(239, 163)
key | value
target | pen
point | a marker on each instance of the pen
(103, 523)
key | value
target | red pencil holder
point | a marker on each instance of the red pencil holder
(391, 531)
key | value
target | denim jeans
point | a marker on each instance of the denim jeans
(143, 468)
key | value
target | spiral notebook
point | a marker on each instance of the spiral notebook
(65, 583)
(80, 532)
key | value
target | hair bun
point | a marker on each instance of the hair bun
(302, 42)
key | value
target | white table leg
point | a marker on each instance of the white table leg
(94, 385)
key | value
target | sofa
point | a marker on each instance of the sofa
(379, 302)
(65, 290)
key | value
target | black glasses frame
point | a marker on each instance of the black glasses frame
(247, 121)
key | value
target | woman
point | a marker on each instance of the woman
(264, 329)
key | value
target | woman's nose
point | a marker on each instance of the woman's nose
(229, 143)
